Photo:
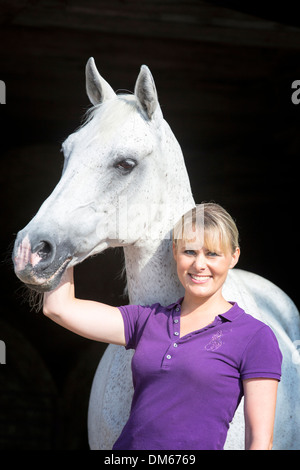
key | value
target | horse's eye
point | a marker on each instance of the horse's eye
(126, 165)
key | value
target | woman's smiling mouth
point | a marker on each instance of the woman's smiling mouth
(200, 278)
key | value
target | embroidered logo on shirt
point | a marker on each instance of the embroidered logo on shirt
(215, 342)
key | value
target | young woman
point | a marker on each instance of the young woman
(194, 359)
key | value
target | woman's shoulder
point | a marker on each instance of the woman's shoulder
(252, 319)
(250, 325)
(139, 310)
(157, 307)
(260, 352)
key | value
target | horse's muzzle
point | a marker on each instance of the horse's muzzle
(37, 262)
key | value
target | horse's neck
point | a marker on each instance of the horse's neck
(151, 274)
(150, 267)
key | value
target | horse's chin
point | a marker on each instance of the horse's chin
(43, 283)
(45, 286)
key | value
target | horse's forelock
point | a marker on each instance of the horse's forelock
(113, 112)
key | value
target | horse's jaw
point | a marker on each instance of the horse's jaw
(41, 284)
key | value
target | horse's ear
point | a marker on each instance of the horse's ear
(145, 91)
(98, 90)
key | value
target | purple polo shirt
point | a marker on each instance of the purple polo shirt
(186, 389)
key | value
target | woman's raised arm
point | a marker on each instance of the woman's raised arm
(90, 319)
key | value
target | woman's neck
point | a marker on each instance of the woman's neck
(206, 306)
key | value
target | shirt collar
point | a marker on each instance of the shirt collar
(234, 312)
(175, 304)
(231, 314)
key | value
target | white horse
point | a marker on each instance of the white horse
(124, 183)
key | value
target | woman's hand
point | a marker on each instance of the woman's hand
(58, 299)
(90, 319)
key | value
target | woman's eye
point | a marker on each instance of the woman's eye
(126, 165)
(189, 252)
(211, 253)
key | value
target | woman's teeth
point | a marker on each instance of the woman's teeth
(198, 277)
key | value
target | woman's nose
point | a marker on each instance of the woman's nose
(200, 262)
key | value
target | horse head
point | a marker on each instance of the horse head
(114, 170)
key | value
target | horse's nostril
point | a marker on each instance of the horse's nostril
(43, 249)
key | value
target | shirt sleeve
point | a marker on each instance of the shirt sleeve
(262, 356)
(135, 317)
(130, 314)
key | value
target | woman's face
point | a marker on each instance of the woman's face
(202, 272)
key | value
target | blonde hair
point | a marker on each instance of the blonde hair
(209, 224)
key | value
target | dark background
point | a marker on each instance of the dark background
(224, 79)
